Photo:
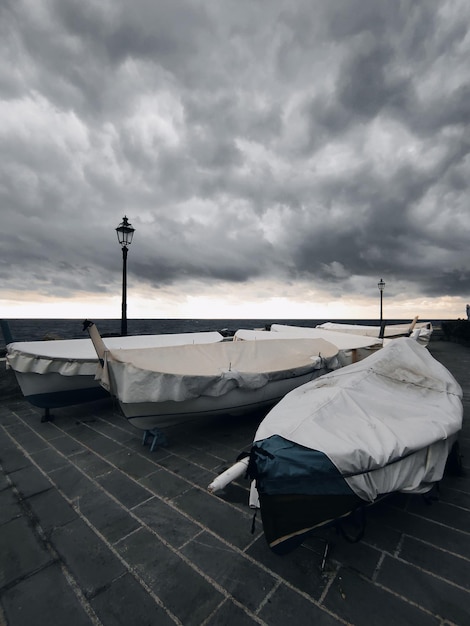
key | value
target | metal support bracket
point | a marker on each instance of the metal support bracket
(47, 417)
(323, 552)
(157, 436)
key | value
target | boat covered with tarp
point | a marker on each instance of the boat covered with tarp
(161, 386)
(385, 424)
(62, 372)
(351, 347)
(420, 331)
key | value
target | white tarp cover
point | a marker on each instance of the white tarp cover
(390, 330)
(351, 347)
(421, 331)
(343, 341)
(72, 357)
(183, 372)
(399, 403)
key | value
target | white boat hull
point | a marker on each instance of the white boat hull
(58, 373)
(149, 415)
(52, 390)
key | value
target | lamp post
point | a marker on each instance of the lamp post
(125, 232)
(381, 286)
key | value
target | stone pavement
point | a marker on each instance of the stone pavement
(96, 529)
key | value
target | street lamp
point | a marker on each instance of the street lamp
(125, 232)
(381, 286)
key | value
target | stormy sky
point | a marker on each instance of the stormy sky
(275, 158)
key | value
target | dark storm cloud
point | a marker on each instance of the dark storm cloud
(301, 140)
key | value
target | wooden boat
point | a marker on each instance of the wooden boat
(351, 347)
(382, 425)
(160, 386)
(420, 331)
(62, 372)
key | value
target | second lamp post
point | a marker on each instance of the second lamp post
(381, 286)
(125, 232)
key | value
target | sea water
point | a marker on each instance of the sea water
(39, 329)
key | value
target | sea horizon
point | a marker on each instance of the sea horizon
(36, 329)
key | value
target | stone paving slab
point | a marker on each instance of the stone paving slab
(441, 563)
(184, 590)
(127, 536)
(22, 554)
(287, 604)
(127, 491)
(445, 601)
(169, 524)
(9, 505)
(45, 598)
(29, 481)
(91, 562)
(106, 516)
(361, 602)
(406, 524)
(140, 611)
(51, 510)
(244, 579)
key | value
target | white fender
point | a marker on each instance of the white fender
(231, 474)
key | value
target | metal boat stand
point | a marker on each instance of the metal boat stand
(158, 438)
(351, 528)
(323, 553)
(47, 417)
